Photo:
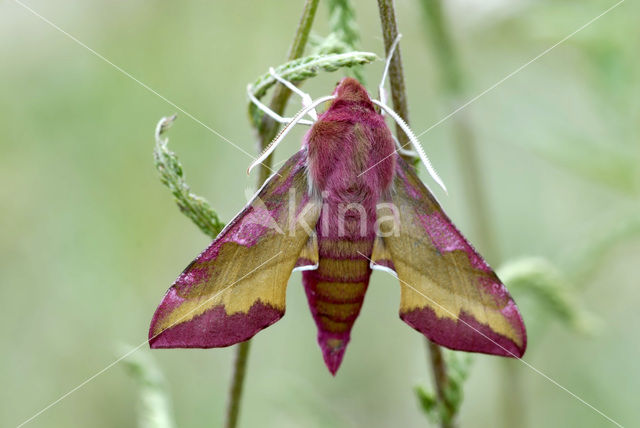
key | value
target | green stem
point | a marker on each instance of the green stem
(452, 79)
(476, 197)
(269, 128)
(235, 393)
(453, 82)
(514, 409)
(267, 131)
(396, 75)
(400, 105)
(441, 379)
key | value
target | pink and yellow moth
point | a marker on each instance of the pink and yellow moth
(345, 204)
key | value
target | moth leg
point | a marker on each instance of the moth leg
(272, 114)
(306, 98)
(382, 93)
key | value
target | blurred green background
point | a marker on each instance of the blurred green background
(91, 239)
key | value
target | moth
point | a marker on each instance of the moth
(344, 205)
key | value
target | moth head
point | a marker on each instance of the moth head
(350, 91)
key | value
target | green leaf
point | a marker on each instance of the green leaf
(302, 69)
(172, 176)
(344, 36)
(458, 365)
(429, 403)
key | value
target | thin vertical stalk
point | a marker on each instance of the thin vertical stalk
(513, 404)
(476, 197)
(396, 75)
(452, 78)
(269, 128)
(237, 385)
(453, 82)
(399, 98)
(266, 132)
(440, 380)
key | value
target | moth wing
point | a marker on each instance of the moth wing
(237, 286)
(448, 292)
(309, 258)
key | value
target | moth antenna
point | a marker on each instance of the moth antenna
(283, 133)
(306, 98)
(381, 92)
(402, 150)
(272, 114)
(414, 141)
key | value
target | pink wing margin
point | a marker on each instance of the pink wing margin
(448, 292)
(237, 286)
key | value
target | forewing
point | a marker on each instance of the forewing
(448, 292)
(237, 286)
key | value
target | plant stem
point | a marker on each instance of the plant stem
(266, 132)
(396, 75)
(269, 128)
(452, 78)
(514, 409)
(453, 82)
(399, 97)
(441, 379)
(475, 195)
(235, 393)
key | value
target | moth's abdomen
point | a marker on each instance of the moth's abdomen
(351, 163)
(341, 282)
(336, 291)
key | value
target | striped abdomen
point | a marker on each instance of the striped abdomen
(350, 166)
(336, 291)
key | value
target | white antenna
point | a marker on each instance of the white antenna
(272, 114)
(306, 98)
(381, 92)
(414, 141)
(272, 146)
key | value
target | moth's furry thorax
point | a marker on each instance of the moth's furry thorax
(345, 144)
(352, 96)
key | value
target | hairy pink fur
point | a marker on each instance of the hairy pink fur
(348, 139)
